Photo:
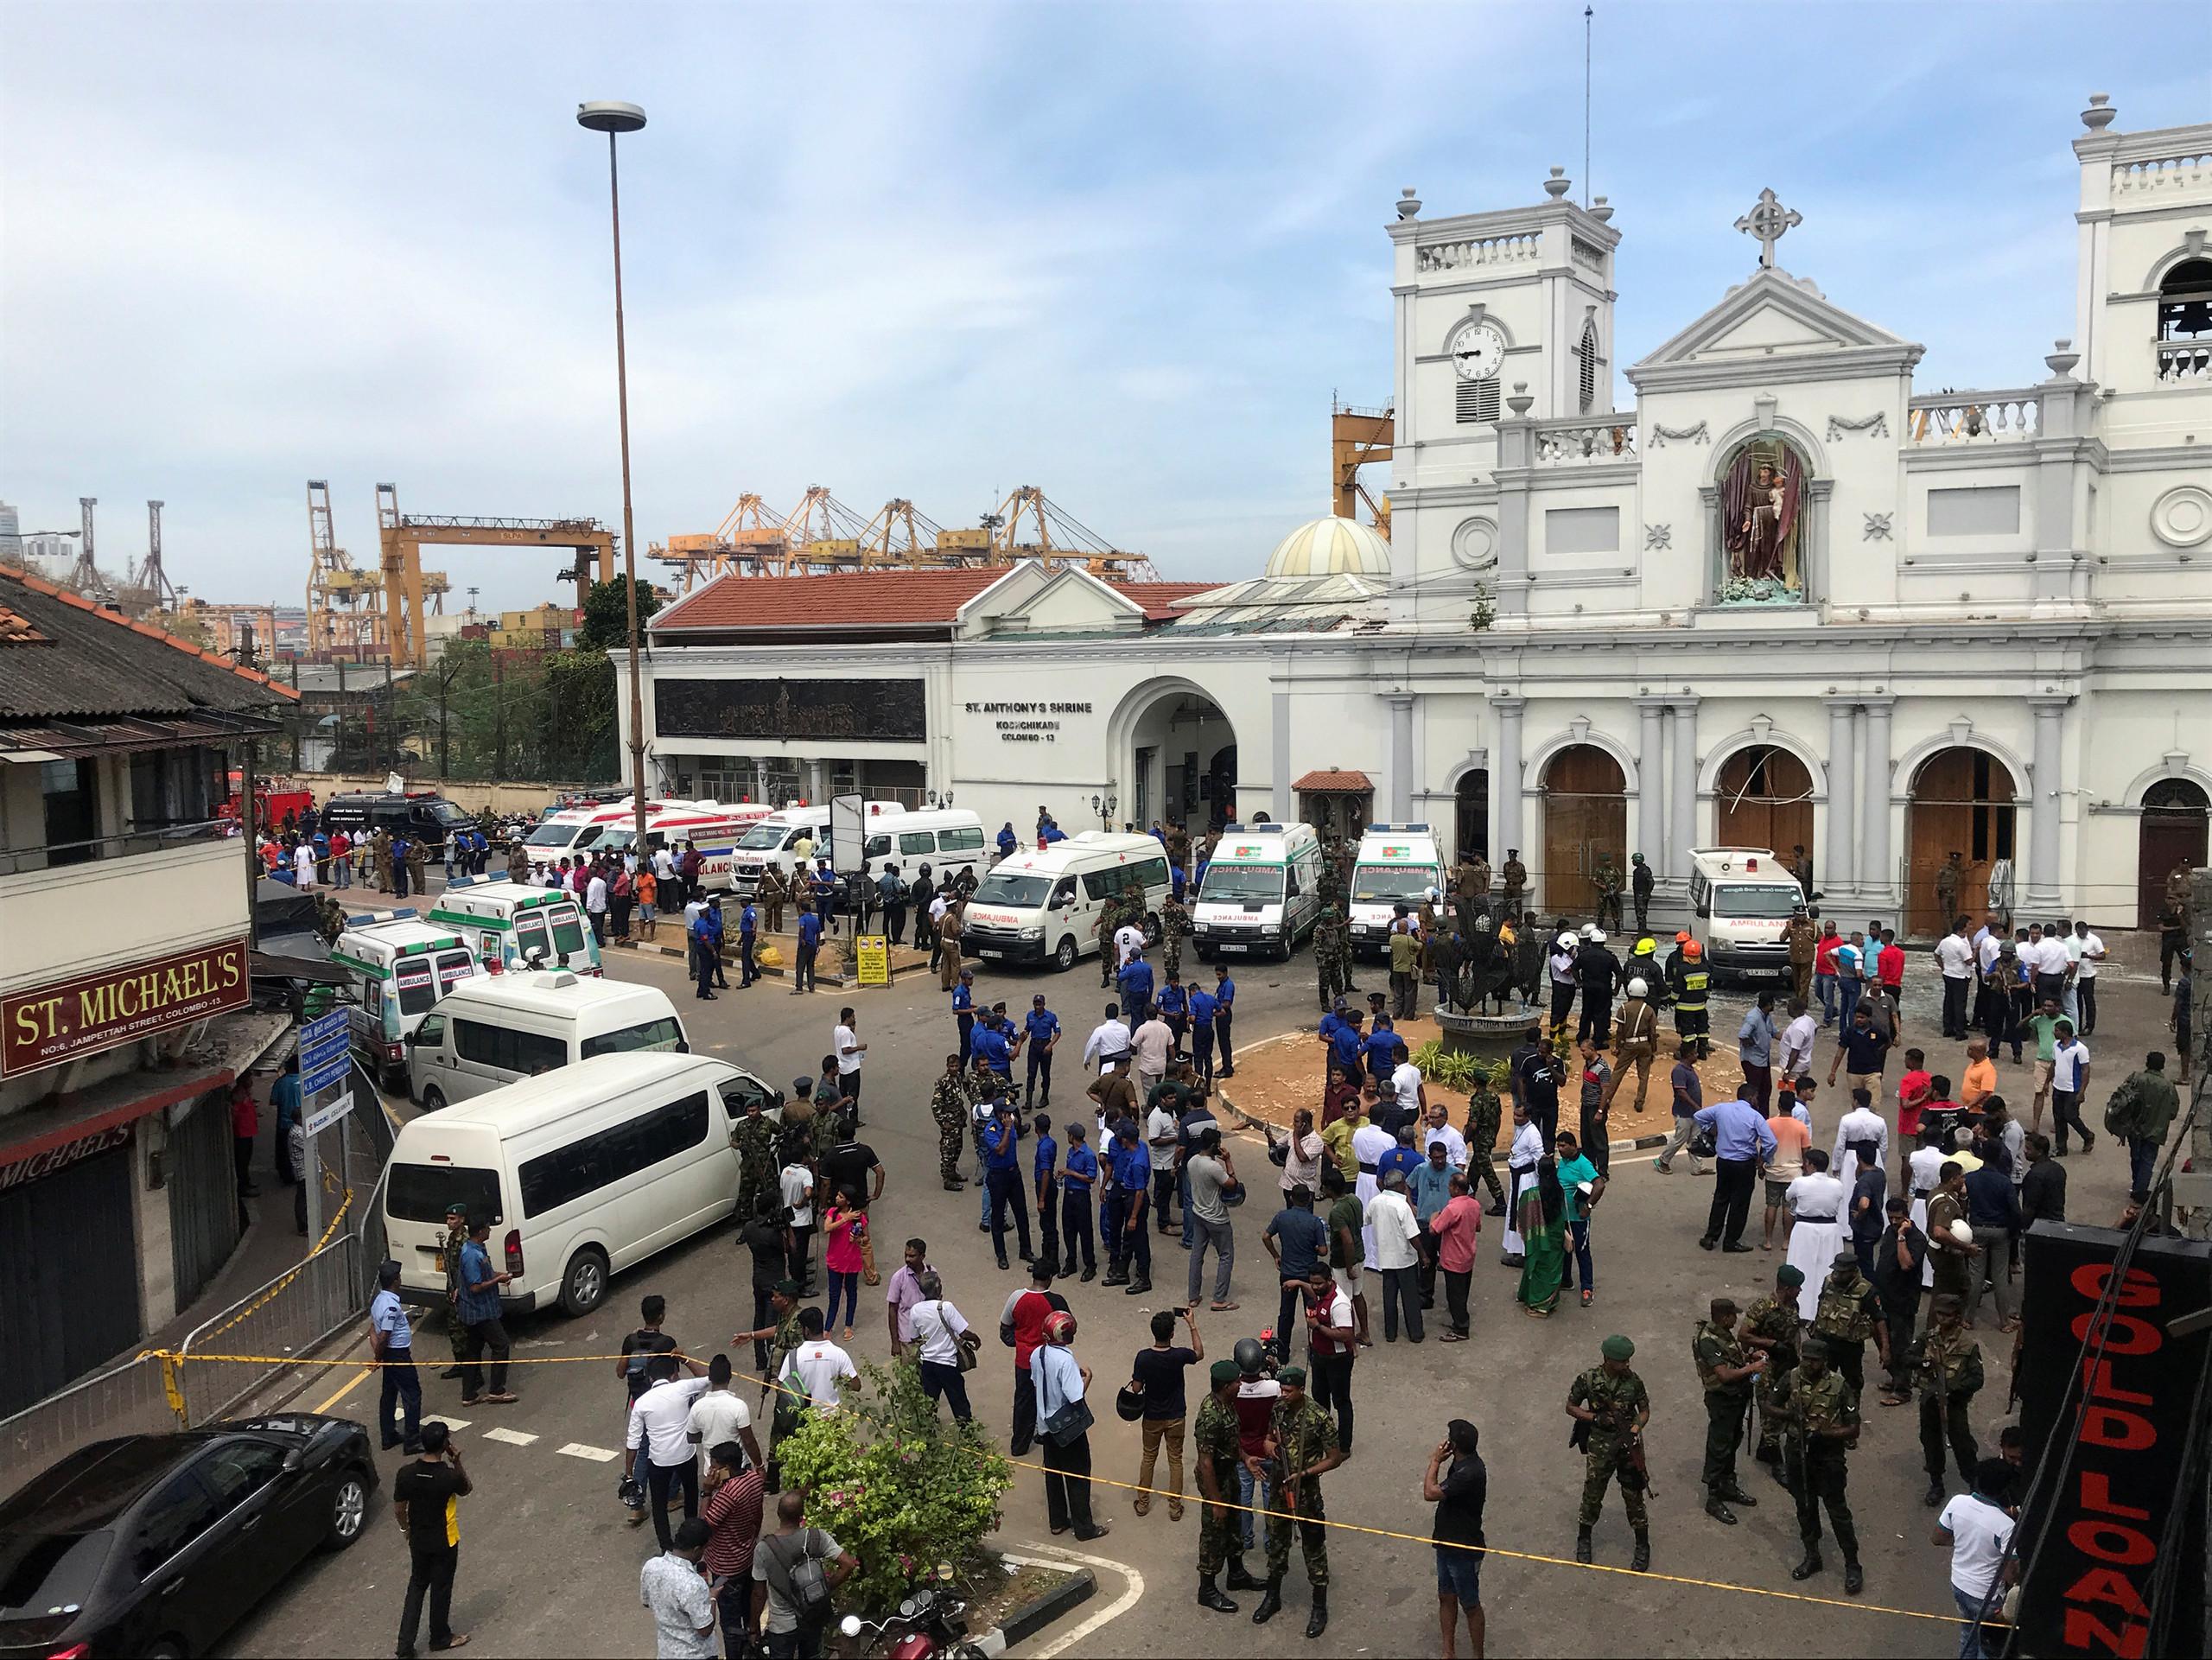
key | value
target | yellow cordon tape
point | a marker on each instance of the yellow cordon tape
(169, 1359)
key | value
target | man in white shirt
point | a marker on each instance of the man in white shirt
(2052, 964)
(1976, 1529)
(718, 1415)
(845, 1043)
(2069, 1078)
(1396, 1234)
(1796, 1058)
(1924, 1169)
(660, 1428)
(1521, 1160)
(1109, 1040)
(1859, 1124)
(1368, 1144)
(2086, 950)
(596, 905)
(818, 1366)
(1438, 1129)
(1406, 1083)
(1129, 940)
(1955, 955)
(796, 1186)
(303, 866)
(1151, 1044)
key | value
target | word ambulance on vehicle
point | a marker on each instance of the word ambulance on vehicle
(1043, 903)
(513, 925)
(400, 970)
(1744, 898)
(1398, 864)
(1261, 893)
(774, 840)
(713, 827)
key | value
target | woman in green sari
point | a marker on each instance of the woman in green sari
(1543, 1230)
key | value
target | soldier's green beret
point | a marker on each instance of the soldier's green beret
(1616, 1347)
(1291, 1377)
(1224, 1371)
(1789, 1275)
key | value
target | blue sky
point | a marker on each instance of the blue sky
(1126, 253)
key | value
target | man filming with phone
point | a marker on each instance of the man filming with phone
(426, 1499)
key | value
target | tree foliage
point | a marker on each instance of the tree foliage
(605, 622)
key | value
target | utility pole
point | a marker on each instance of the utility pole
(445, 747)
(298, 714)
(390, 738)
(500, 717)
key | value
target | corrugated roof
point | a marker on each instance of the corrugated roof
(1334, 781)
(1159, 599)
(96, 662)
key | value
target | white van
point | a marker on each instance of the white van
(946, 839)
(1042, 903)
(576, 829)
(492, 1030)
(399, 969)
(1744, 898)
(713, 827)
(517, 925)
(1260, 892)
(770, 842)
(1397, 865)
(581, 1174)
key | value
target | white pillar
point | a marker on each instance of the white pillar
(1505, 782)
(817, 782)
(1838, 837)
(1655, 837)
(1682, 819)
(1877, 879)
(2042, 893)
(761, 781)
(1401, 757)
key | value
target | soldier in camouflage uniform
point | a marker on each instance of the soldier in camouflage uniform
(1110, 918)
(1772, 1328)
(1611, 1403)
(1848, 1312)
(1946, 1366)
(1729, 1374)
(1332, 977)
(760, 1172)
(1606, 880)
(449, 1248)
(1485, 1112)
(1512, 882)
(949, 1104)
(1174, 928)
(1302, 1444)
(1214, 1438)
(1821, 1414)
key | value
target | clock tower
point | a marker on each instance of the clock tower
(1487, 308)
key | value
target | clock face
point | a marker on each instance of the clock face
(1479, 353)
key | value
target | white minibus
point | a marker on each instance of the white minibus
(1043, 903)
(492, 1031)
(1260, 892)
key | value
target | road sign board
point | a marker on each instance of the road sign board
(327, 1109)
(323, 1077)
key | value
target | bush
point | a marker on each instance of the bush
(898, 1485)
(1449, 1068)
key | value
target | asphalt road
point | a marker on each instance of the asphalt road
(547, 1565)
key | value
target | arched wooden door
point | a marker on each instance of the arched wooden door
(1765, 800)
(1960, 801)
(1586, 813)
(1472, 796)
(2175, 822)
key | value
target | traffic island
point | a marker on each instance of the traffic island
(1036, 1591)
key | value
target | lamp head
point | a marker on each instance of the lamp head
(608, 115)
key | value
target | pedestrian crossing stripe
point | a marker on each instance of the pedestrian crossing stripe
(596, 1455)
(451, 1424)
(512, 1437)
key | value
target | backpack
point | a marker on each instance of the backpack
(1842, 1313)
(644, 1344)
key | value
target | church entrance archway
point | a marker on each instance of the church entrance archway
(1764, 799)
(1960, 801)
(1471, 798)
(1177, 762)
(2176, 818)
(1586, 814)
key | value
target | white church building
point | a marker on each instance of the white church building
(1783, 599)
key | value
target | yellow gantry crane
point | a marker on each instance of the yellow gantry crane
(1356, 437)
(405, 582)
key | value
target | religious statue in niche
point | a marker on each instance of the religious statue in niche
(1762, 535)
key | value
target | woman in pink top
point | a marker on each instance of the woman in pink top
(842, 1229)
(1451, 1231)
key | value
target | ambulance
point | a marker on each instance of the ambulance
(1744, 898)
(575, 830)
(400, 970)
(1397, 865)
(1042, 903)
(513, 925)
(774, 839)
(713, 827)
(1261, 895)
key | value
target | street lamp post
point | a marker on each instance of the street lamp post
(613, 118)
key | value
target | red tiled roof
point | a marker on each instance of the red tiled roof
(19, 631)
(1340, 782)
(1159, 599)
(872, 599)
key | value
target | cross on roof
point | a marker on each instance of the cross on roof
(1767, 221)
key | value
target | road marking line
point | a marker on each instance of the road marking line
(578, 1450)
(512, 1437)
(355, 1382)
(450, 1423)
(1120, 1605)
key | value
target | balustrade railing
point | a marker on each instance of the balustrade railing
(1973, 418)
(2163, 175)
(1564, 441)
(2185, 360)
(1477, 252)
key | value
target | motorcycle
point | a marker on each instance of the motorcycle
(926, 1626)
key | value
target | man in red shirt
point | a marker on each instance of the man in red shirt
(1824, 972)
(1023, 1319)
(245, 1124)
(735, 1497)
(1888, 964)
(1914, 1092)
(1257, 1393)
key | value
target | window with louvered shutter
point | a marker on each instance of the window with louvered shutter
(1477, 401)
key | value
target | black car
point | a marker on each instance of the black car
(424, 816)
(158, 1544)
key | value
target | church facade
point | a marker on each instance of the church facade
(1784, 600)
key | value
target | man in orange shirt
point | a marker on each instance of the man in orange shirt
(1980, 1080)
(1792, 1135)
(648, 892)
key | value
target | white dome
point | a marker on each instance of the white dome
(1331, 547)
